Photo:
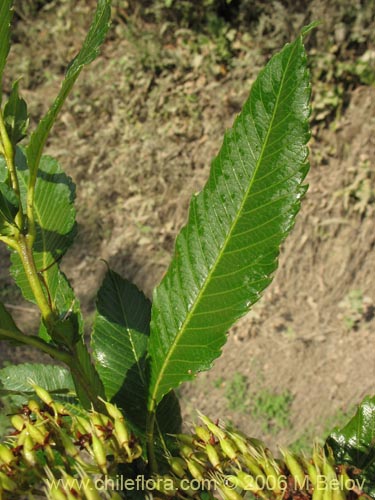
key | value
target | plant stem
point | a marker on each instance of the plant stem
(8, 152)
(150, 426)
(28, 262)
(40, 344)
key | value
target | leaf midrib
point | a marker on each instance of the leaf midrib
(154, 401)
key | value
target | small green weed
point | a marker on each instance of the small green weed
(237, 393)
(272, 409)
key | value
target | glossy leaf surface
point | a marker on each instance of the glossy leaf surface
(354, 444)
(119, 342)
(55, 228)
(88, 52)
(226, 254)
(5, 17)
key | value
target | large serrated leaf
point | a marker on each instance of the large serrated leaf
(14, 379)
(86, 55)
(354, 444)
(226, 254)
(90, 375)
(6, 13)
(119, 343)
(55, 226)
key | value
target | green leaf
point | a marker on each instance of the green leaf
(8, 209)
(227, 253)
(55, 229)
(6, 14)
(354, 444)
(15, 116)
(86, 55)
(7, 323)
(119, 343)
(83, 358)
(3, 169)
(14, 379)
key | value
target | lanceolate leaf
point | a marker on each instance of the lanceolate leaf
(226, 254)
(15, 116)
(5, 19)
(7, 323)
(119, 342)
(55, 221)
(354, 444)
(8, 209)
(86, 55)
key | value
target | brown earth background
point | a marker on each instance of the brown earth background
(136, 136)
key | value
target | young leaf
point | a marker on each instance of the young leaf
(7, 324)
(55, 225)
(354, 444)
(8, 209)
(6, 13)
(88, 52)
(15, 116)
(119, 343)
(226, 254)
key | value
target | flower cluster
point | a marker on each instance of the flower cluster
(61, 449)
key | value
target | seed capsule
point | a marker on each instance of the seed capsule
(28, 451)
(294, 468)
(228, 449)
(248, 482)
(113, 410)
(84, 424)
(39, 436)
(34, 406)
(228, 493)
(213, 456)
(178, 466)
(6, 455)
(213, 428)
(186, 451)
(254, 468)
(312, 471)
(7, 483)
(122, 435)
(89, 489)
(99, 453)
(195, 470)
(203, 434)
(69, 446)
(185, 438)
(44, 395)
(239, 441)
(18, 422)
